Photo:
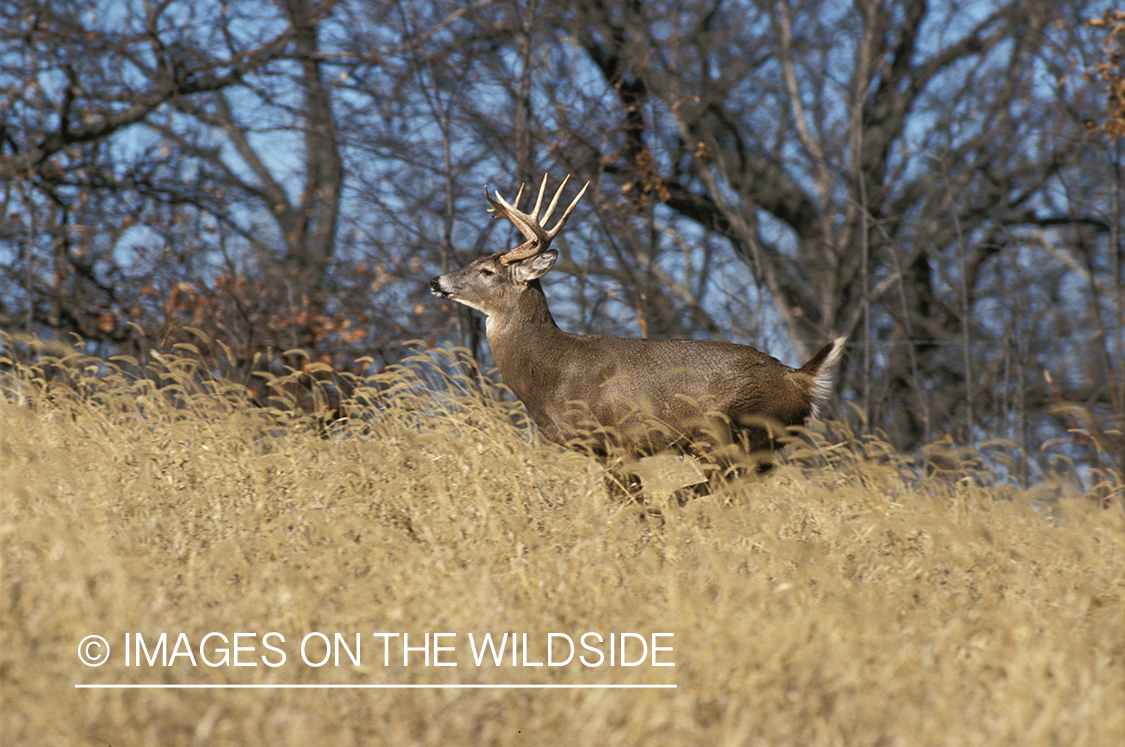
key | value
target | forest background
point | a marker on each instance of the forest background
(939, 181)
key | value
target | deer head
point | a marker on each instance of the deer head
(495, 284)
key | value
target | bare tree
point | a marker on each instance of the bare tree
(102, 128)
(917, 176)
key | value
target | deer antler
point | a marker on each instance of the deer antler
(531, 225)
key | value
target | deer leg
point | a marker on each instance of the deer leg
(623, 486)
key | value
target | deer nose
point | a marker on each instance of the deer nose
(435, 287)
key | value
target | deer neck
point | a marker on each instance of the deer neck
(524, 338)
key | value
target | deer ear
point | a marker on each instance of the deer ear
(535, 267)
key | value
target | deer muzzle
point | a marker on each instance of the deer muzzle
(437, 290)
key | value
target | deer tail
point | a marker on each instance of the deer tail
(818, 371)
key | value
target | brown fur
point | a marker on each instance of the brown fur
(598, 393)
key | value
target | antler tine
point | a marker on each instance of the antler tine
(554, 200)
(539, 201)
(566, 214)
(520, 220)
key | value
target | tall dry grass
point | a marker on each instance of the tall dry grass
(852, 604)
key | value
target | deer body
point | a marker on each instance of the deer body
(597, 393)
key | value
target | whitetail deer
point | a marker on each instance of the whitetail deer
(601, 394)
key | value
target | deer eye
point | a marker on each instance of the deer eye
(486, 272)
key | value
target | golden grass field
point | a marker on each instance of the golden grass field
(854, 603)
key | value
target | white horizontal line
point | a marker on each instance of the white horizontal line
(369, 687)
